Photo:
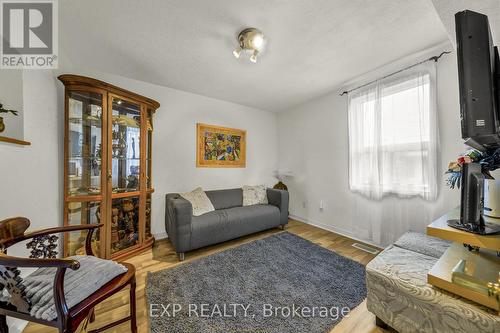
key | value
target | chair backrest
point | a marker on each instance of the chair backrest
(12, 228)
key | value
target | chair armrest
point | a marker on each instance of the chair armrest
(57, 230)
(44, 232)
(279, 198)
(178, 217)
(11, 261)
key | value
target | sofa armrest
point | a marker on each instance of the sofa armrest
(178, 216)
(279, 198)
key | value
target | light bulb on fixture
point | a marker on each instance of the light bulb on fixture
(258, 41)
(253, 57)
(237, 52)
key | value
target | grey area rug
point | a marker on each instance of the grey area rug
(279, 284)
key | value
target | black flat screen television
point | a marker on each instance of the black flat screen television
(479, 81)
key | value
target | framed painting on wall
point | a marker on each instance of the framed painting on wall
(220, 147)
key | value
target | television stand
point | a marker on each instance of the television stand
(483, 262)
(440, 229)
(486, 229)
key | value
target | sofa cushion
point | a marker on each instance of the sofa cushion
(223, 199)
(254, 195)
(421, 243)
(78, 285)
(226, 224)
(199, 200)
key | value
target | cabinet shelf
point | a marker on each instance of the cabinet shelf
(76, 193)
(126, 158)
(83, 158)
(133, 193)
(107, 166)
(83, 198)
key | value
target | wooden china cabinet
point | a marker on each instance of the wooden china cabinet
(107, 166)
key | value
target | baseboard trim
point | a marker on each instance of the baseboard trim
(161, 235)
(336, 230)
(366, 248)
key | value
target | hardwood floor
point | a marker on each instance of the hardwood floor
(162, 256)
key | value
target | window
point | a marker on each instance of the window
(393, 136)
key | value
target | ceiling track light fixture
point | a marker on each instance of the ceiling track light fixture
(250, 40)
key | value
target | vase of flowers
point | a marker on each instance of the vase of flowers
(489, 161)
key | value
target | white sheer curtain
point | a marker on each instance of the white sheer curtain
(393, 136)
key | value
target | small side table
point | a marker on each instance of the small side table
(484, 264)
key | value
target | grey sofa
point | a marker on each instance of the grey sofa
(229, 220)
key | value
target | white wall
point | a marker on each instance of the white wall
(313, 145)
(11, 96)
(31, 176)
(32, 181)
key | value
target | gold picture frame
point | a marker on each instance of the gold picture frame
(220, 147)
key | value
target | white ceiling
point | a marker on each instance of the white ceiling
(447, 9)
(313, 46)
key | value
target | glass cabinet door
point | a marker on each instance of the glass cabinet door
(125, 148)
(84, 192)
(148, 217)
(87, 212)
(125, 174)
(149, 181)
(149, 148)
(124, 223)
(84, 143)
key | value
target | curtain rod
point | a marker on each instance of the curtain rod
(434, 58)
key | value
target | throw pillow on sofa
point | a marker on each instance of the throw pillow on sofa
(199, 200)
(254, 195)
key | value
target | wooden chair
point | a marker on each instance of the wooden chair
(43, 244)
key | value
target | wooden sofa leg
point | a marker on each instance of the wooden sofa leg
(181, 256)
(282, 226)
(380, 323)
